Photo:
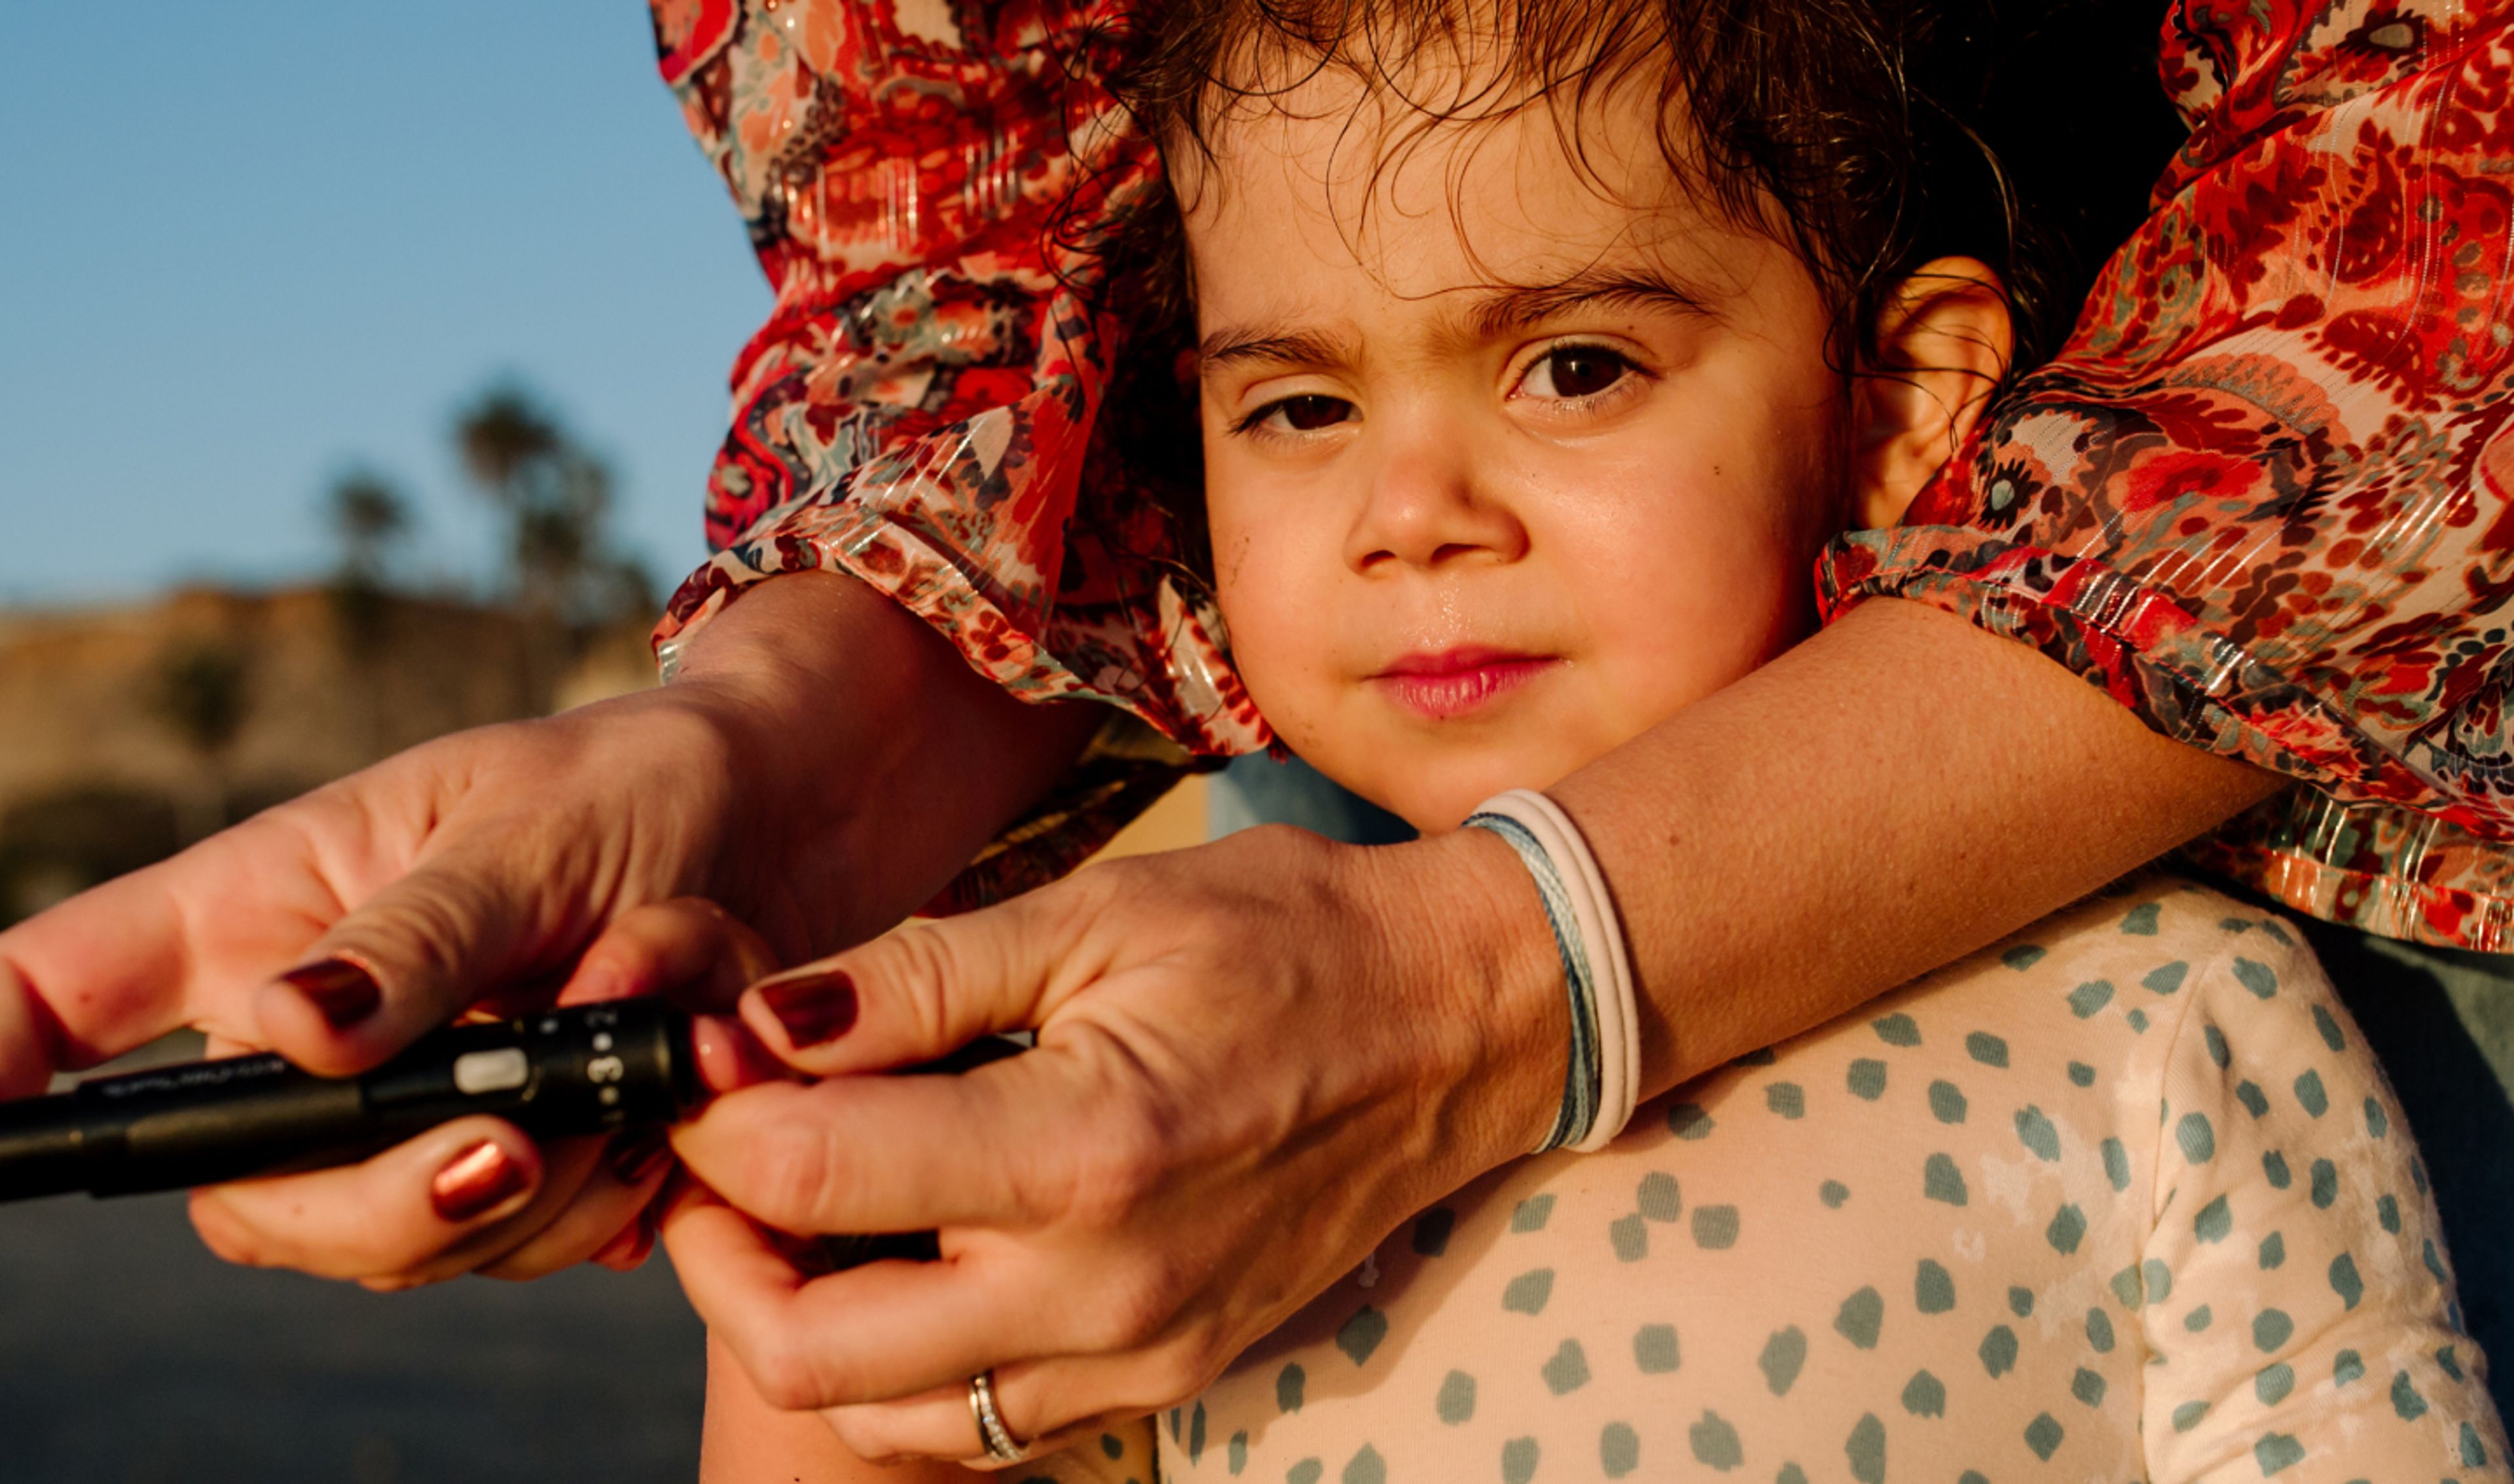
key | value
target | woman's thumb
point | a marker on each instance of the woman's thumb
(912, 994)
(401, 964)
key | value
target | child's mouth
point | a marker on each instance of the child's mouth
(1454, 682)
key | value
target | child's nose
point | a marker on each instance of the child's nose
(1426, 507)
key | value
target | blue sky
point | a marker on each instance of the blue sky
(244, 248)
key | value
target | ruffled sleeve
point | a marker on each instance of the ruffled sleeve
(2264, 495)
(926, 186)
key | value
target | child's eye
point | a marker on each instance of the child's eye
(1306, 413)
(1568, 372)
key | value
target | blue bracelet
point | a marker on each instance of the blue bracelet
(1582, 1077)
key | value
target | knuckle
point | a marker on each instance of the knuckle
(1174, 1375)
(229, 1238)
(1196, 1358)
(1101, 885)
(400, 1282)
(929, 960)
(782, 1370)
(790, 1175)
(1121, 1169)
(861, 1437)
(1132, 1309)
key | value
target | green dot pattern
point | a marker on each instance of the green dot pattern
(1934, 1288)
(1784, 1356)
(1861, 1319)
(1619, 1450)
(1866, 1079)
(1998, 1351)
(1715, 1442)
(1656, 1350)
(1924, 1395)
(1984, 1231)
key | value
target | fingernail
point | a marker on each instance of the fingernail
(636, 1156)
(813, 1007)
(474, 1181)
(344, 991)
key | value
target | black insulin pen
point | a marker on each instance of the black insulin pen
(581, 1069)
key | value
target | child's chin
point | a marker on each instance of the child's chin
(1437, 798)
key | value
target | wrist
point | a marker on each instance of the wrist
(866, 761)
(782, 702)
(1486, 982)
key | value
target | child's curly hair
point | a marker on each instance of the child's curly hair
(1848, 127)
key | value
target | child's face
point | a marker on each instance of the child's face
(1502, 467)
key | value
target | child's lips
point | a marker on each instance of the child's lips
(1457, 681)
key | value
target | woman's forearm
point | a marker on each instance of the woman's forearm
(1890, 795)
(866, 760)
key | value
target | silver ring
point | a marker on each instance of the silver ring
(1000, 1444)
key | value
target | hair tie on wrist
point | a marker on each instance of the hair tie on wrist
(1602, 1082)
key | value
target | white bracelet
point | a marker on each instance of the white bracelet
(1604, 1079)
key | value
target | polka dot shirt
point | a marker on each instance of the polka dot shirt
(2124, 1197)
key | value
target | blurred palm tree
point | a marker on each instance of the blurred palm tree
(203, 696)
(556, 496)
(370, 518)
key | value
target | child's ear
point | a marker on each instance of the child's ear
(1942, 345)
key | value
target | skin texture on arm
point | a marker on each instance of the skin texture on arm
(1921, 786)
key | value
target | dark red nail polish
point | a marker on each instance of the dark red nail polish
(814, 1008)
(474, 1180)
(636, 1156)
(344, 991)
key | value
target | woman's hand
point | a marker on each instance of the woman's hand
(593, 1199)
(1255, 1059)
(824, 765)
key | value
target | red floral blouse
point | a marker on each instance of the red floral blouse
(2263, 496)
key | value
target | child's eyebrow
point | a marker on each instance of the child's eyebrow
(1265, 346)
(1508, 310)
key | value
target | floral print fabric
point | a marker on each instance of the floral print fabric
(922, 181)
(2260, 497)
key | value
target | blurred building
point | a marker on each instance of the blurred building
(128, 732)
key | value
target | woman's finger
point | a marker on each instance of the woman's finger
(687, 948)
(898, 1153)
(27, 1036)
(939, 1425)
(406, 961)
(401, 1213)
(868, 1333)
(123, 963)
(606, 1222)
(919, 991)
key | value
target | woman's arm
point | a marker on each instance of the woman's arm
(1890, 796)
(825, 765)
(1258, 1058)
